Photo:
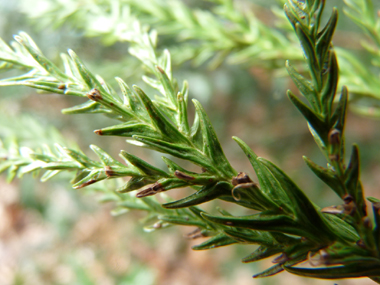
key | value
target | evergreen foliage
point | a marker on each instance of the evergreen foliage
(343, 241)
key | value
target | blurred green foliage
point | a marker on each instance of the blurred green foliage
(246, 100)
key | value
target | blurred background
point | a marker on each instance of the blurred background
(53, 234)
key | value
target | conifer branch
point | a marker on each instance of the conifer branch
(227, 33)
(287, 222)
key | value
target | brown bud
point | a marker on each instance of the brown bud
(183, 176)
(157, 187)
(94, 95)
(334, 137)
(108, 170)
(349, 205)
(281, 258)
(347, 199)
(241, 178)
(154, 189)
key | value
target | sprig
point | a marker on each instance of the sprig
(363, 14)
(161, 124)
(19, 161)
(226, 33)
(287, 222)
(327, 127)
